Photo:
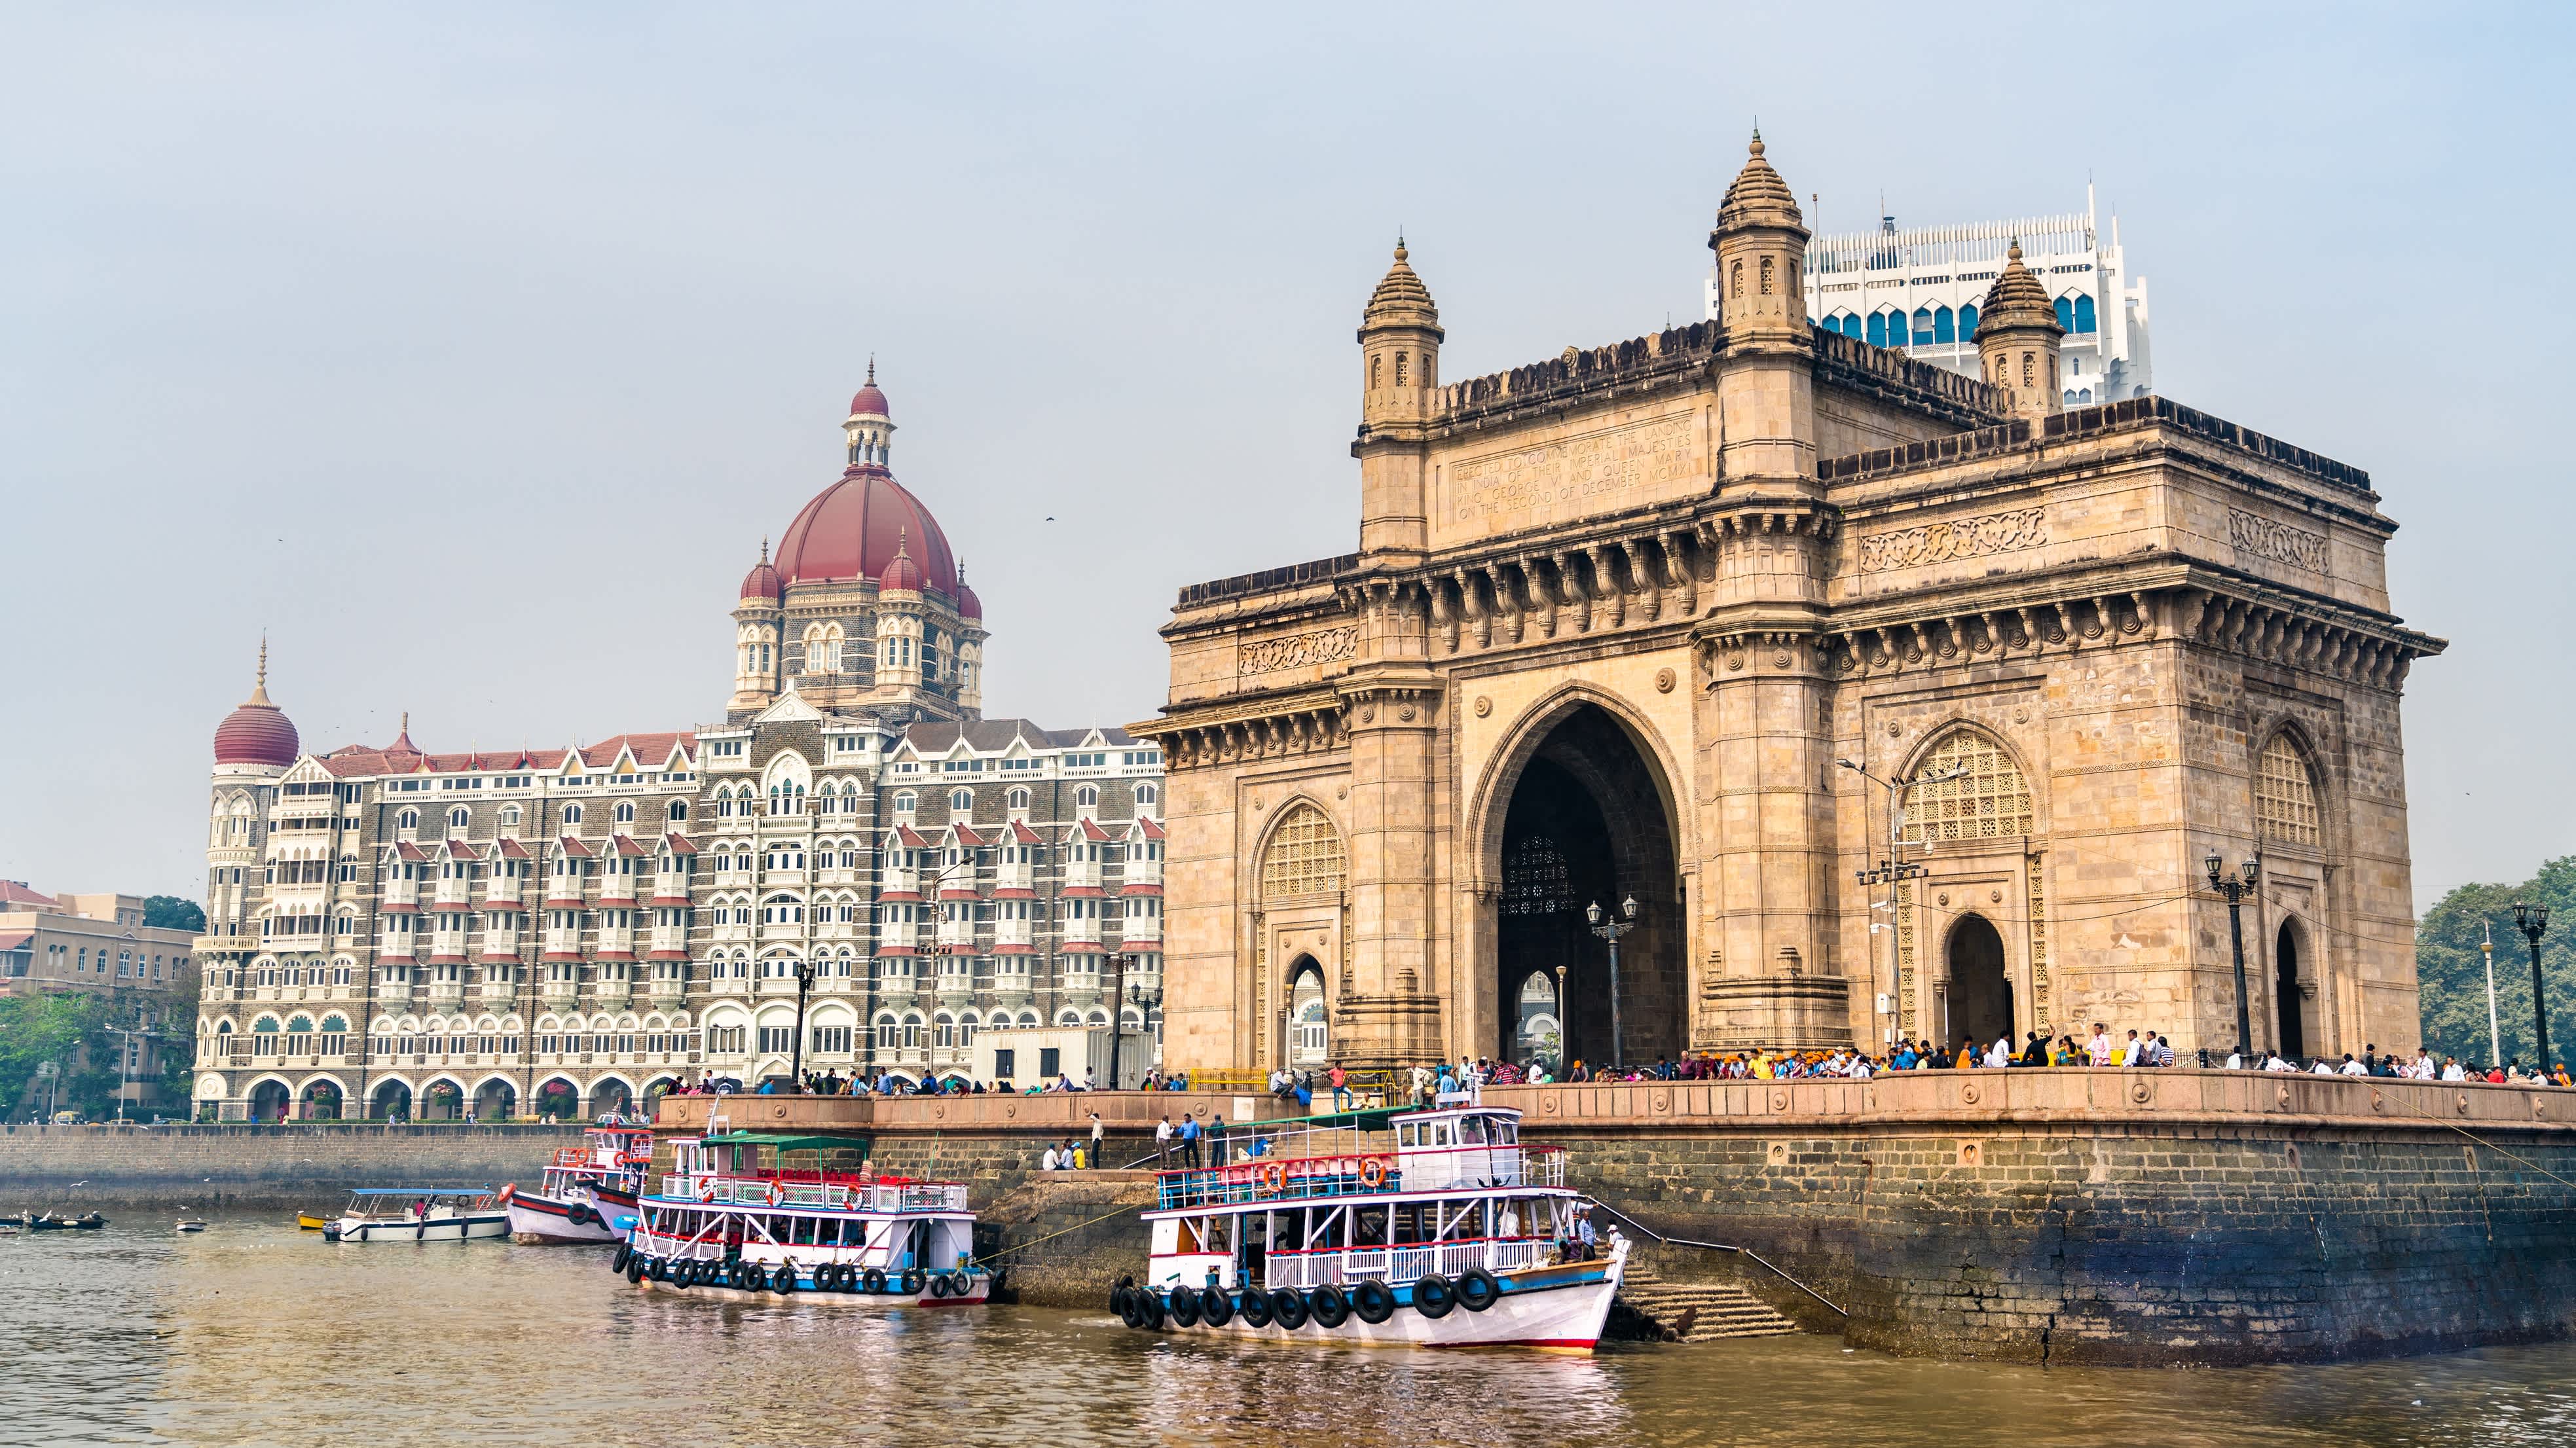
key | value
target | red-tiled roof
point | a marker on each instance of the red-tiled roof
(1081, 947)
(1140, 890)
(912, 838)
(967, 836)
(1153, 831)
(513, 850)
(576, 848)
(14, 896)
(15, 939)
(463, 850)
(1091, 830)
(1021, 834)
(405, 849)
(626, 845)
(680, 844)
(651, 750)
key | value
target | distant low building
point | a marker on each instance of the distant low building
(99, 943)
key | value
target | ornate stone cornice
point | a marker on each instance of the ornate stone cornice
(1302, 722)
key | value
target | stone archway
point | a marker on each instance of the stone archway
(268, 1101)
(558, 1099)
(2285, 993)
(1981, 993)
(321, 1099)
(610, 1096)
(495, 1100)
(1589, 821)
(392, 1102)
(1309, 1046)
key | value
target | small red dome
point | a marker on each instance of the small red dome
(902, 573)
(968, 605)
(762, 580)
(257, 732)
(868, 398)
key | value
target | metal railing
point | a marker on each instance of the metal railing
(1263, 1179)
(840, 1196)
(1398, 1265)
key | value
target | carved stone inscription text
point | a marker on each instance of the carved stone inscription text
(1571, 478)
(2280, 541)
(1942, 542)
(1297, 651)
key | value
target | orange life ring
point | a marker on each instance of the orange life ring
(1372, 1173)
(775, 1195)
(707, 1191)
(1274, 1177)
(508, 1190)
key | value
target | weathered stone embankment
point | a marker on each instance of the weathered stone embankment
(213, 1167)
(2036, 1215)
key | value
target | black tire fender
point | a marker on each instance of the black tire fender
(912, 1282)
(874, 1280)
(1478, 1289)
(1216, 1309)
(1372, 1301)
(1185, 1307)
(1330, 1308)
(1255, 1308)
(1149, 1311)
(1434, 1296)
(1287, 1308)
(784, 1279)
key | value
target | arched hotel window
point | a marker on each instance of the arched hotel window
(2083, 312)
(1304, 856)
(1878, 329)
(1967, 324)
(1942, 324)
(2285, 795)
(2066, 314)
(1922, 325)
(1990, 801)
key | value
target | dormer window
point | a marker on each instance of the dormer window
(510, 815)
(1020, 798)
(1087, 797)
(677, 811)
(626, 812)
(572, 814)
(905, 802)
(409, 820)
(456, 818)
(961, 801)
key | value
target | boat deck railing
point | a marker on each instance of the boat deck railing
(1366, 1173)
(1399, 1265)
(845, 1194)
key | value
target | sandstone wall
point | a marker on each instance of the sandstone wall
(210, 1167)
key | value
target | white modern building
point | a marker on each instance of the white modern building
(1917, 290)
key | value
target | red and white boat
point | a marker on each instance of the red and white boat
(1452, 1234)
(585, 1189)
(733, 1221)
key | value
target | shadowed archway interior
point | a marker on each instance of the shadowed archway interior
(2285, 991)
(1588, 823)
(1981, 995)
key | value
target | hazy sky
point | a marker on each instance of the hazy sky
(472, 352)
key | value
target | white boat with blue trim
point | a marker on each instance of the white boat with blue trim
(585, 1188)
(736, 1219)
(1451, 1234)
(419, 1214)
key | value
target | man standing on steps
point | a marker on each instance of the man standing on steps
(1099, 1134)
(1163, 1141)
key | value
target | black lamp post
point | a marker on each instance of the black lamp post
(1611, 930)
(1117, 1028)
(2235, 889)
(796, 1066)
(1564, 1024)
(2533, 922)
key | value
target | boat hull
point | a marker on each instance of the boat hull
(468, 1227)
(978, 1293)
(1555, 1309)
(539, 1220)
(307, 1222)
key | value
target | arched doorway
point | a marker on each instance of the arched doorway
(1538, 1037)
(655, 1090)
(268, 1101)
(1310, 1031)
(1590, 822)
(443, 1101)
(558, 1100)
(322, 1101)
(1981, 995)
(2285, 992)
(392, 1102)
(494, 1100)
(610, 1097)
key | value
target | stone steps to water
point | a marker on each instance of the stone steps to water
(1700, 1311)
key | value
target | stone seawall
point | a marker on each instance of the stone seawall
(2037, 1215)
(211, 1167)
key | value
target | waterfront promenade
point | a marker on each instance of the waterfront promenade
(2054, 1214)
(298, 1165)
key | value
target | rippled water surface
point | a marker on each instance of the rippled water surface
(254, 1333)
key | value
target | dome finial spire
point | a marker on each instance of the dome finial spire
(764, 548)
(259, 681)
(872, 368)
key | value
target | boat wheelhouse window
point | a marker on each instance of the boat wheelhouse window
(1408, 1134)
(1471, 1130)
(804, 1231)
(1368, 1226)
(1506, 1131)
(1440, 1134)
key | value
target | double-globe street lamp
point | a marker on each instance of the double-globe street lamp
(2235, 888)
(1143, 1000)
(2533, 922)
(1611, 930)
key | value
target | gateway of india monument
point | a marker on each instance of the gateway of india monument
(1664, 620)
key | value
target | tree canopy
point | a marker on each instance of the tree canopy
(169, 912)
(2452, 970)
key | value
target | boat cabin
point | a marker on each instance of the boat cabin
(752, 1196)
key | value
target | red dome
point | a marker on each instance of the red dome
(853, 528)
(968, 605)
(257, 732)
(902, 573)
(762, 580)
(869, 399)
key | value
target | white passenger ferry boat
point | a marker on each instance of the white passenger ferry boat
(418, 1214)
(740, 1218)
(585, 1188)
(1452, 1234)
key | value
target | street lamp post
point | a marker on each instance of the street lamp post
(1564, 1023)
(1146, 1003)
(2235, 889)
(1611, 930)
(2533, 922)
(1117, 1028)
(796, 1062)
(1892, 870)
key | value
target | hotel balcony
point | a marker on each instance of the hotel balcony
(670, 940)
(733, 879)
(671, 887)
(446, 994)
(894, 881)
(563, 940)
(613, 992)
(504, 989)
(617, 890)
(503, 892)
(616, 940)
(775, 931)
(669, 992)
(559, 993)
(453, 895)
(836, 876)
(404, 893)
(501, 941)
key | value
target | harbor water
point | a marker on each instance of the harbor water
(254, 1333)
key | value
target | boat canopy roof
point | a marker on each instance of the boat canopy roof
(785, 1143)
(418, 1191)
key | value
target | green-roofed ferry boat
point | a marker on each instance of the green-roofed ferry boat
(758, 1216)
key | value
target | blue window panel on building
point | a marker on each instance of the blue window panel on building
(1922, 325)
(2066, 314)
(2083, 312)
(1878, 329)
(1968, 324)
(1941, 325)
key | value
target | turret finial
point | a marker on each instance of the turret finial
(259, 682)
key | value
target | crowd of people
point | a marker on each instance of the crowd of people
(888, 1083)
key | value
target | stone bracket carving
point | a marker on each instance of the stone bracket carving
(2267, 538)
(1297, 651)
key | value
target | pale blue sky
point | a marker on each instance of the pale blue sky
(471, 353)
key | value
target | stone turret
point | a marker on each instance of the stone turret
(1399, 341)
(757, 618)
(1765, 367)
(2017, 336)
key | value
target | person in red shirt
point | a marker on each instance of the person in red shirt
(1342, 1099)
